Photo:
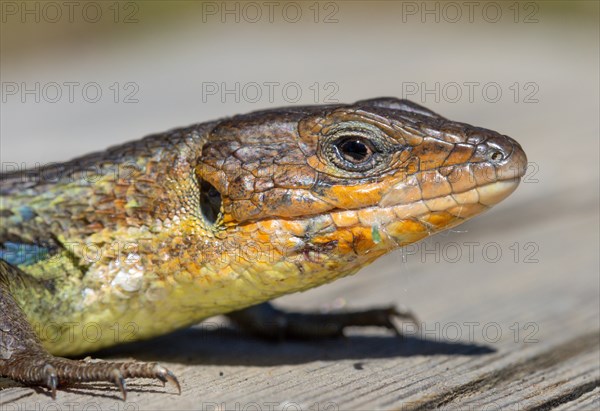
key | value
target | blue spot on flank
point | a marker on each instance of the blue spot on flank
(23, 254)
(27, 213)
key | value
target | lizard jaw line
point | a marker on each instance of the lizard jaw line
(462, 205)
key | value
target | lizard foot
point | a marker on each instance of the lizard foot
(267, 321)
(24, 359)
(45, 370)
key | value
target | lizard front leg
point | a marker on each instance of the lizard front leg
(24, 359)
(267, 321)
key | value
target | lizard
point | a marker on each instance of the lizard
(221, 217)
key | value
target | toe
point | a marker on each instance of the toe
(165, 376)
(119, 381)
(51, 379)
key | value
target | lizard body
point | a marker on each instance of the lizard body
(158, 234)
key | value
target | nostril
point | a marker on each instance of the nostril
(498, 149)
(496, 155)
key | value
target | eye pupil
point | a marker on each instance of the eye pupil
(354, 150)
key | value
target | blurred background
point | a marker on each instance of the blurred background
(80, 76)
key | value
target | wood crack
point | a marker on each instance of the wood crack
(567, 397)
(513, 372)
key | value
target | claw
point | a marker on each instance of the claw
(120, 382)
(165, 376)
(51, 379)
(171, 377)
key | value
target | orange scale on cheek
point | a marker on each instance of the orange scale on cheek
(262, 238)
(406, 231)
(353, 197)
(370, 217)
(362, 239)
(343, 239)
(468, 210)
(405, 226)
(295, 228)
(268, 226)
(347, 218)
(440, 219)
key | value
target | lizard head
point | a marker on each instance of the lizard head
(331, 188)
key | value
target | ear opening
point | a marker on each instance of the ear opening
(210, 203)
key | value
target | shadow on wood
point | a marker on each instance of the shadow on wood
(226, 346)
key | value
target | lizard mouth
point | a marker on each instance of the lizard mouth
(491, 194)
(401, 224)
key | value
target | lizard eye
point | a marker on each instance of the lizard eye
(353, 153)
(210, 202)
(354, 149)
